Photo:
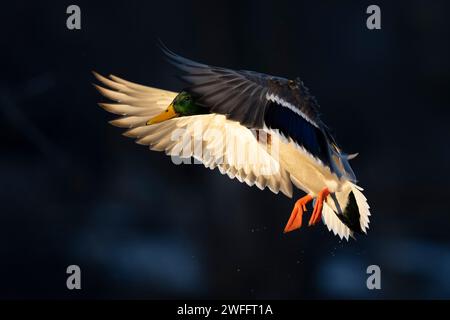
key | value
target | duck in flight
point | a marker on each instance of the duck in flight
(273, 132)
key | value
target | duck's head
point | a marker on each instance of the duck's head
(183, 105)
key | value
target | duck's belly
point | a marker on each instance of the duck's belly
(309, 176)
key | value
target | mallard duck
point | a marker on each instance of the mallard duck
(260, 129)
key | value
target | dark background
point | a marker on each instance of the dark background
(74, 191)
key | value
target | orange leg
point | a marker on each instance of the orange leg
(317, 213)
(295, 220)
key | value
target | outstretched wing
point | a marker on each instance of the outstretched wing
(258, 100)
(211, 138)
(244, 95)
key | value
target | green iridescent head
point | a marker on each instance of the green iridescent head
(183, 105)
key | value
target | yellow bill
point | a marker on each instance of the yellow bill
(169, 113)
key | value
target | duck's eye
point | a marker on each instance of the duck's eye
(291, 83)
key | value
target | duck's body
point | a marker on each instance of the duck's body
(260, 129)
(309, 177)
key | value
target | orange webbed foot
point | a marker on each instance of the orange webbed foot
(295, 220)
(317, 213)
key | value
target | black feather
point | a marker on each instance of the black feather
(351, 217)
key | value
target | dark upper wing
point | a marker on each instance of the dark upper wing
(256, 100)
(243, 95)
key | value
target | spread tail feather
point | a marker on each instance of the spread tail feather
(346, 212)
